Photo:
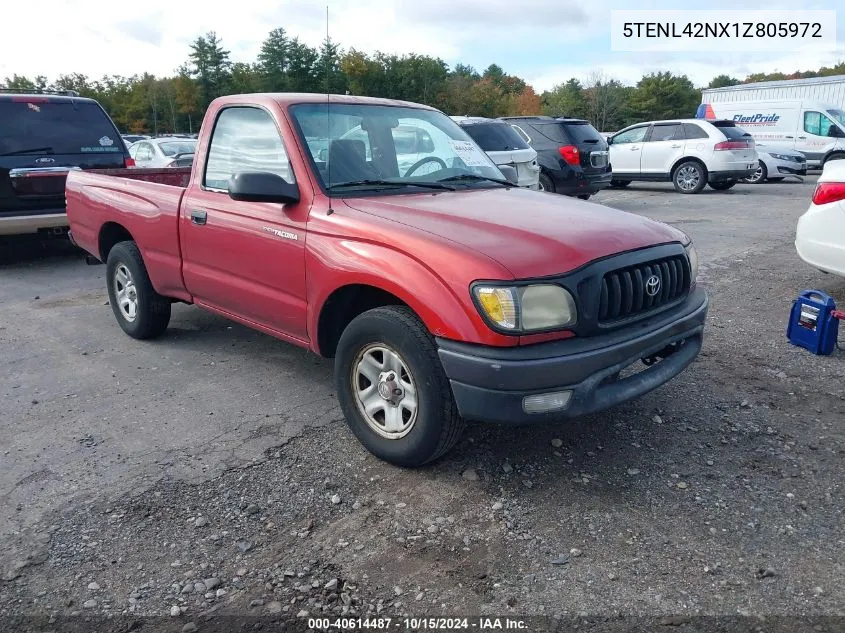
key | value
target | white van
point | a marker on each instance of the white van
(815, 129)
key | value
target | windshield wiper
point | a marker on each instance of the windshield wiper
(476, 177)
(29, 150)
(389, 183)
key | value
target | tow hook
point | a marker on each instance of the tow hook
(664, 353)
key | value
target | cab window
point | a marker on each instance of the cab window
(245, 139)
(817, 123)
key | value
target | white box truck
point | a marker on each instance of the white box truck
(807, 115)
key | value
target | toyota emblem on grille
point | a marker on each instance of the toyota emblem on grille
(652, 285)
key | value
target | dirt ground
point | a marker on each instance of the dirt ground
(206, 481)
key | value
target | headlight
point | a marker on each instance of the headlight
(692, 255)
(784, 157)
(526, 308)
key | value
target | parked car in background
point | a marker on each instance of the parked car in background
(442, 296)
(814, 128)
(164, 152)
(820, 234)
(505, 146)
(134, 138)
(776, 163)
(572, 154)
(690, 153)
(43, 136)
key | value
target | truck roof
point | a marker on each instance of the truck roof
(291, 98)
(807, 81)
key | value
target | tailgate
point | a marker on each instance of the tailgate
(523, 160)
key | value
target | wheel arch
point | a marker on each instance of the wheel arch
(687, 159)
(111, 233)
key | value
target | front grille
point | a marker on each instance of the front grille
(627, 292)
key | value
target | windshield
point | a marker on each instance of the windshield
(63, 127)
(361, 142)
(495, 137)
(172, 148)
(839, 115)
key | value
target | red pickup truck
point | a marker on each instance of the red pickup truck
(377, 233)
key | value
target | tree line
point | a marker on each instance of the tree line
(157, 105)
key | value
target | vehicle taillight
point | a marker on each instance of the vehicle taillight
(128, 162)
(733, 145)
(570, 154)
(827, 192)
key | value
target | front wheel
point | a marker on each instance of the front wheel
(392, 388)
(546, 184)
(140, 311)
(722, 185)
(689, 177)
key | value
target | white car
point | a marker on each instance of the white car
(776, 163)
(163, 152)
(689, 153)
(504, 146)
(820, 236)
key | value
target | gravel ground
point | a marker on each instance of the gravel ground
(717, 495)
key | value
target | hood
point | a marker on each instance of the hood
(530, 233)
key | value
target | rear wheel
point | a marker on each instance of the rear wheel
(620, 183)
(837, 156)
(392, 388)
(546, 184)
(722, 185)
(689, 177)
(584, 196)
(758, 176)
(140, 311)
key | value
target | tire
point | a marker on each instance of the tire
(759, 176)
(546, 184)
(722, 185)
(689, 176)
(778, 179)
(125, 271)
(584, 196)
(620, 183)
(434, 426)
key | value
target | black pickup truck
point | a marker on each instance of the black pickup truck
(42, 137)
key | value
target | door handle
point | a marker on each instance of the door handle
(676, 146)
(802, 137)
(635, 148)
(788, 137)
(198, 216)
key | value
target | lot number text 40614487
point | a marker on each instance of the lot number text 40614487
(416, 624)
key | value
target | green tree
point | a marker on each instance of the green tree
(721, 81)
(301, 70)
(210, 66)
(273, 61)
(607, 102)
(331, 77)
(664, 96)
(566, 99)
(244, 79)
(19, 82)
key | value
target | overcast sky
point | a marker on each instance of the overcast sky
(543, 41)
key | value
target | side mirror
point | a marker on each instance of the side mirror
(610, 140)
(323, 155)
(262, 186)
(509, 173)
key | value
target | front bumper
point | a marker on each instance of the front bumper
(490, 384)
(793, 169)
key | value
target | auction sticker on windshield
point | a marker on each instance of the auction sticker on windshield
(469, 153)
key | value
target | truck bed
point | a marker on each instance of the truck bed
(108, 204)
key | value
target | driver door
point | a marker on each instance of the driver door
(246, 259)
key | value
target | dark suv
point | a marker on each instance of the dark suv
(42, 137)
(573, 156)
